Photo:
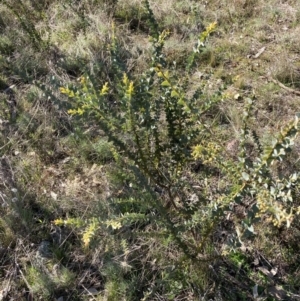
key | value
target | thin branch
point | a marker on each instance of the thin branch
(293, 91)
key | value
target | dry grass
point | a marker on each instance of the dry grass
(61, 171)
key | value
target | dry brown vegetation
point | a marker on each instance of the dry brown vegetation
(55, 166)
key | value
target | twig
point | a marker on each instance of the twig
(283, 86)
(260, 51)
(22, 275)
(88, 292)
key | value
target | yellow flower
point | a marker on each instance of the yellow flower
(64, 90)
(59, 222)
(211, 27)
(72, 112)
(125, 79)
(82, 80)
(79, 111)
(104, 89)
(130, 89)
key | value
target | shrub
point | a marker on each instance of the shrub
(159, 128)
